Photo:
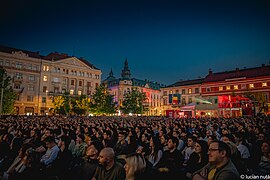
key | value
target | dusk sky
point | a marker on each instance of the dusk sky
(164, 41)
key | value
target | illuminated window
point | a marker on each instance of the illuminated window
(79, 93)
(170, 92)
(45, 78)
(251, 85)
(189, 91)
(220, 88)
(228, 87)
(45, 68)
(71, 92)
(235, 87)
(264, 84)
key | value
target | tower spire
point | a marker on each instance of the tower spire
(126, 72)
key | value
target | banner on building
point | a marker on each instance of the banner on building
(174, 98)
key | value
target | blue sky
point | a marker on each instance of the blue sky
(164, 41)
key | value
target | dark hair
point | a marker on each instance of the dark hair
(81, 136)
(49, 139)
(174, 140)
(66, 140)
(108, 132)
(222, 146)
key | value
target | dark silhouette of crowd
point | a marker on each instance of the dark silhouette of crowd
(69, 148)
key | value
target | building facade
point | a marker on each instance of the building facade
(233, 93)
(240, 92)
(120, 86)
(37, 78)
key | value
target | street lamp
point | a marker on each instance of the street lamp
(46, 102)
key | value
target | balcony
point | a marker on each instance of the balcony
(17, 79)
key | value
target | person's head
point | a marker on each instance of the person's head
(265, 147)
(121, 136)
(135, 164)
(191, 141)
(218, 152)
(210, 139)
(92, 152)
(176, 134)
(107, 134)
(144, 138)
(261, 136)
(80, 138)
(163, 139)
(201, 146)
(48, 132)
(173, 143)
(64, 141)
(32, 133)
(227, 137)
(50, 142)
(232, 146)
(106, 157)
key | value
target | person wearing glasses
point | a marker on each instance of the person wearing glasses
(220, 165)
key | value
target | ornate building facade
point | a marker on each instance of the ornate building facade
(36, 78)
(120, 86)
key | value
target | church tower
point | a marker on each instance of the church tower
(126, 72)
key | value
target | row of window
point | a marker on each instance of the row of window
(46, 68)
(189, 91)
(237, 87)
(19, 65)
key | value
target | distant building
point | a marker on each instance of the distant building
(120, 86)
(240, 92)
(37, 78)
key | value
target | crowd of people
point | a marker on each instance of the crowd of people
(118, 148)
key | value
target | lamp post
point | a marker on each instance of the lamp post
(46, 102)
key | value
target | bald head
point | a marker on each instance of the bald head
(106, 157)
(108, 153)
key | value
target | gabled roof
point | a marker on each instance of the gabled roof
(237, 73)
(55, 56)
(10, 50)
(186, 83)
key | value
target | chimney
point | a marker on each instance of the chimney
(210, 71)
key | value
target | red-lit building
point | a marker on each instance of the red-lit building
(240, 92)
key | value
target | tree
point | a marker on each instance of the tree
(134, 102)
(9, 95)
(58, 102)
(80, 105)
(102, 102)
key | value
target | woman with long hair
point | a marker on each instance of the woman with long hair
(155, 151)
(135, 167)
(198, 158)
